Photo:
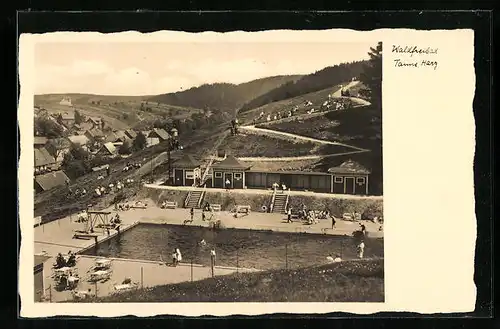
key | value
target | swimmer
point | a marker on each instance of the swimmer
(203, 242)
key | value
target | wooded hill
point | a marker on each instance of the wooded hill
(223, 96)
(327, 77)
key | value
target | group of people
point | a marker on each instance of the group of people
(206, 208)
(131, 166)
(277, 186)
(61, 261)
(176, 257)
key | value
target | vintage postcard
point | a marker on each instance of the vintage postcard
(246, 173)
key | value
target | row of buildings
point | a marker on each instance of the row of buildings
(348, 178)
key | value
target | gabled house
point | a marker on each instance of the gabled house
(84, 126)
(95, 135)
(131, 133)
(44, 162)
(229, 173)
(94, 121)
(107, 150)
(39, 142)
(350, 178)
(159, 133)
(80, 140)
(50, 180)
(186, 170)
(68, 119)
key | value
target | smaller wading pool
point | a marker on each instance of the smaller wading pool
(234, 247)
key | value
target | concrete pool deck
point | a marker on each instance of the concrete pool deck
(152, 273)
(57, 237)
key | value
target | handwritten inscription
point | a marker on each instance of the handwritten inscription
(422, 57)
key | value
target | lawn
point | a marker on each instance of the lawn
(350, 281)
(264, 146)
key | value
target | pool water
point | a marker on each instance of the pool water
(234, 247)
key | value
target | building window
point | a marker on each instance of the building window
(237, 176)
(339, 179)
(360, 180)
(218, 174)
(189, 175)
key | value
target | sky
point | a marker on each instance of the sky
(137, 69)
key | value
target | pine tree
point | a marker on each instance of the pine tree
(372, 76)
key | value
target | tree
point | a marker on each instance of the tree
(60, 119)
(125, 148)
(56, 146)
(48, 128)
(372, 76)
(139, 142)
(79, 118)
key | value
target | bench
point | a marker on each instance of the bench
(84, 235)
(216, 207)
(170, 205)
(243, 209)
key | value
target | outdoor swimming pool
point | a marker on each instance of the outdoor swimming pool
(234, 247)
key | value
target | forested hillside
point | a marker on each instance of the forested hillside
(319, 80)
(223, 96)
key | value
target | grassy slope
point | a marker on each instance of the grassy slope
(354, 281)
(224, 96)
(317, 98)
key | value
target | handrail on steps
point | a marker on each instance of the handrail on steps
(202, 196)
(287, 199)
(272, 201)
(188, 198)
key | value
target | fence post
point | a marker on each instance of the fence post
(50, 293)
(341, 248)
(191, 269)
(237, 260)
(142, 277)
(95, 284)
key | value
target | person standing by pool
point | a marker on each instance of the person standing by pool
(333, 222)
(212, 257)
(191, 213)
(228, 184)
(203, 218)
(289, 213)
(174, 258)
(361, 249)
(179, 255)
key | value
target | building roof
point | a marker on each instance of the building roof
(109, 148)
(39, 140)
(94, 120)
(43, 158)
(121, 134)
(51, 180)
(40, 259)
(230, 162)
(130, 133)
(60, 143)
(111, 137)
(187, 161)
(159, 132)
(83, 126)
(95, 133)
(79, 140)
(349, 167)
(291, 172)
(68, 116)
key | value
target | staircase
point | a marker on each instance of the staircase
(280, 203)
(194, 199)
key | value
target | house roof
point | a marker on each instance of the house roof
(95, 120)
(111, 137)
(160, 132)
(39, 140)
(83, 126)
(109, 147)
(79, 140)
(95, 133)
(187, 161)
(349, 167)
(43, 158)
(68, 116)
(130, 133)
(121, 134)
(40, 259)
(230, 162)
(51, 180)
(291, 172)
(60, 143)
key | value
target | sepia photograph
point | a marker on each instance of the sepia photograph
(208, 172)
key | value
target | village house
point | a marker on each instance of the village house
(107, 150)
(50, 180)
(229, 173)
(186, 171)
(95, 135)
(95, 122)
(66, 101)
(84, 126)
(159, 133)
(44, 162)
(80, 140)
(39, 142)
(131, 134)
(68, 119)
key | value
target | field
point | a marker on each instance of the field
(350, 281)
(121, 112)
(263, 146)
(317, 99)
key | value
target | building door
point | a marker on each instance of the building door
(179, 177)
(228, 176)
(349, 185)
